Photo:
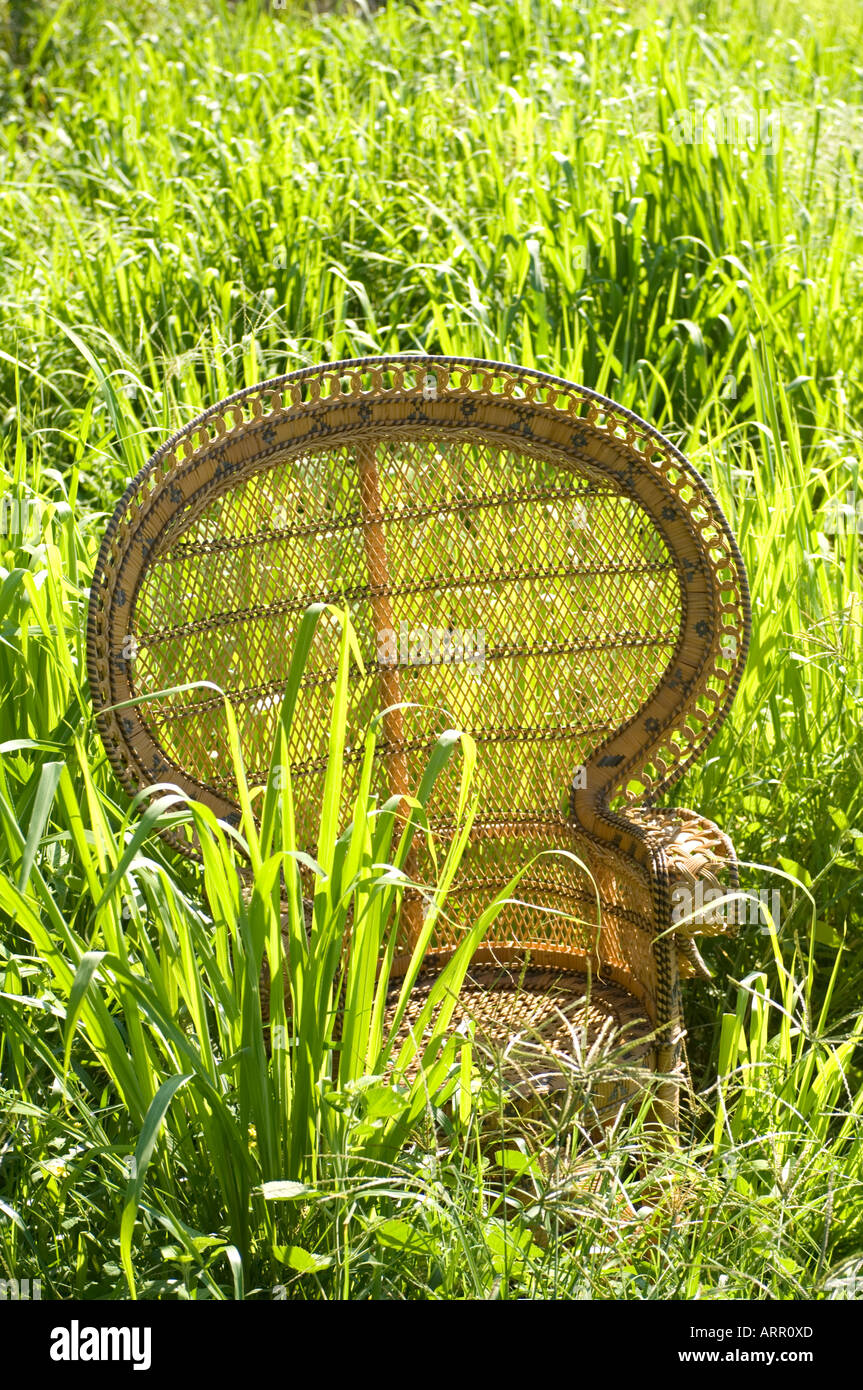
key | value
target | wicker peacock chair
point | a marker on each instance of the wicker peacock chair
(524, 560)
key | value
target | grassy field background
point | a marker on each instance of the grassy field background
(197, 197)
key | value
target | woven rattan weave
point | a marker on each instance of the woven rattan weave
(524, 560)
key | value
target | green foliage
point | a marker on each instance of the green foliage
(196, 197)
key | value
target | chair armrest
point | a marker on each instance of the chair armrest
(702, 867)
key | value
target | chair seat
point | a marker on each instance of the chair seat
(546, 1030)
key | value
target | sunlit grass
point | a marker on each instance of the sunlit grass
(196, 197)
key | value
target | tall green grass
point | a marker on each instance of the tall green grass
(164, 997)
(196, 197)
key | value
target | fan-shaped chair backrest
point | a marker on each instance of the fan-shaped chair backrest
(523, 559)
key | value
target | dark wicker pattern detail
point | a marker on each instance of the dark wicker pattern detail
(586, 595)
